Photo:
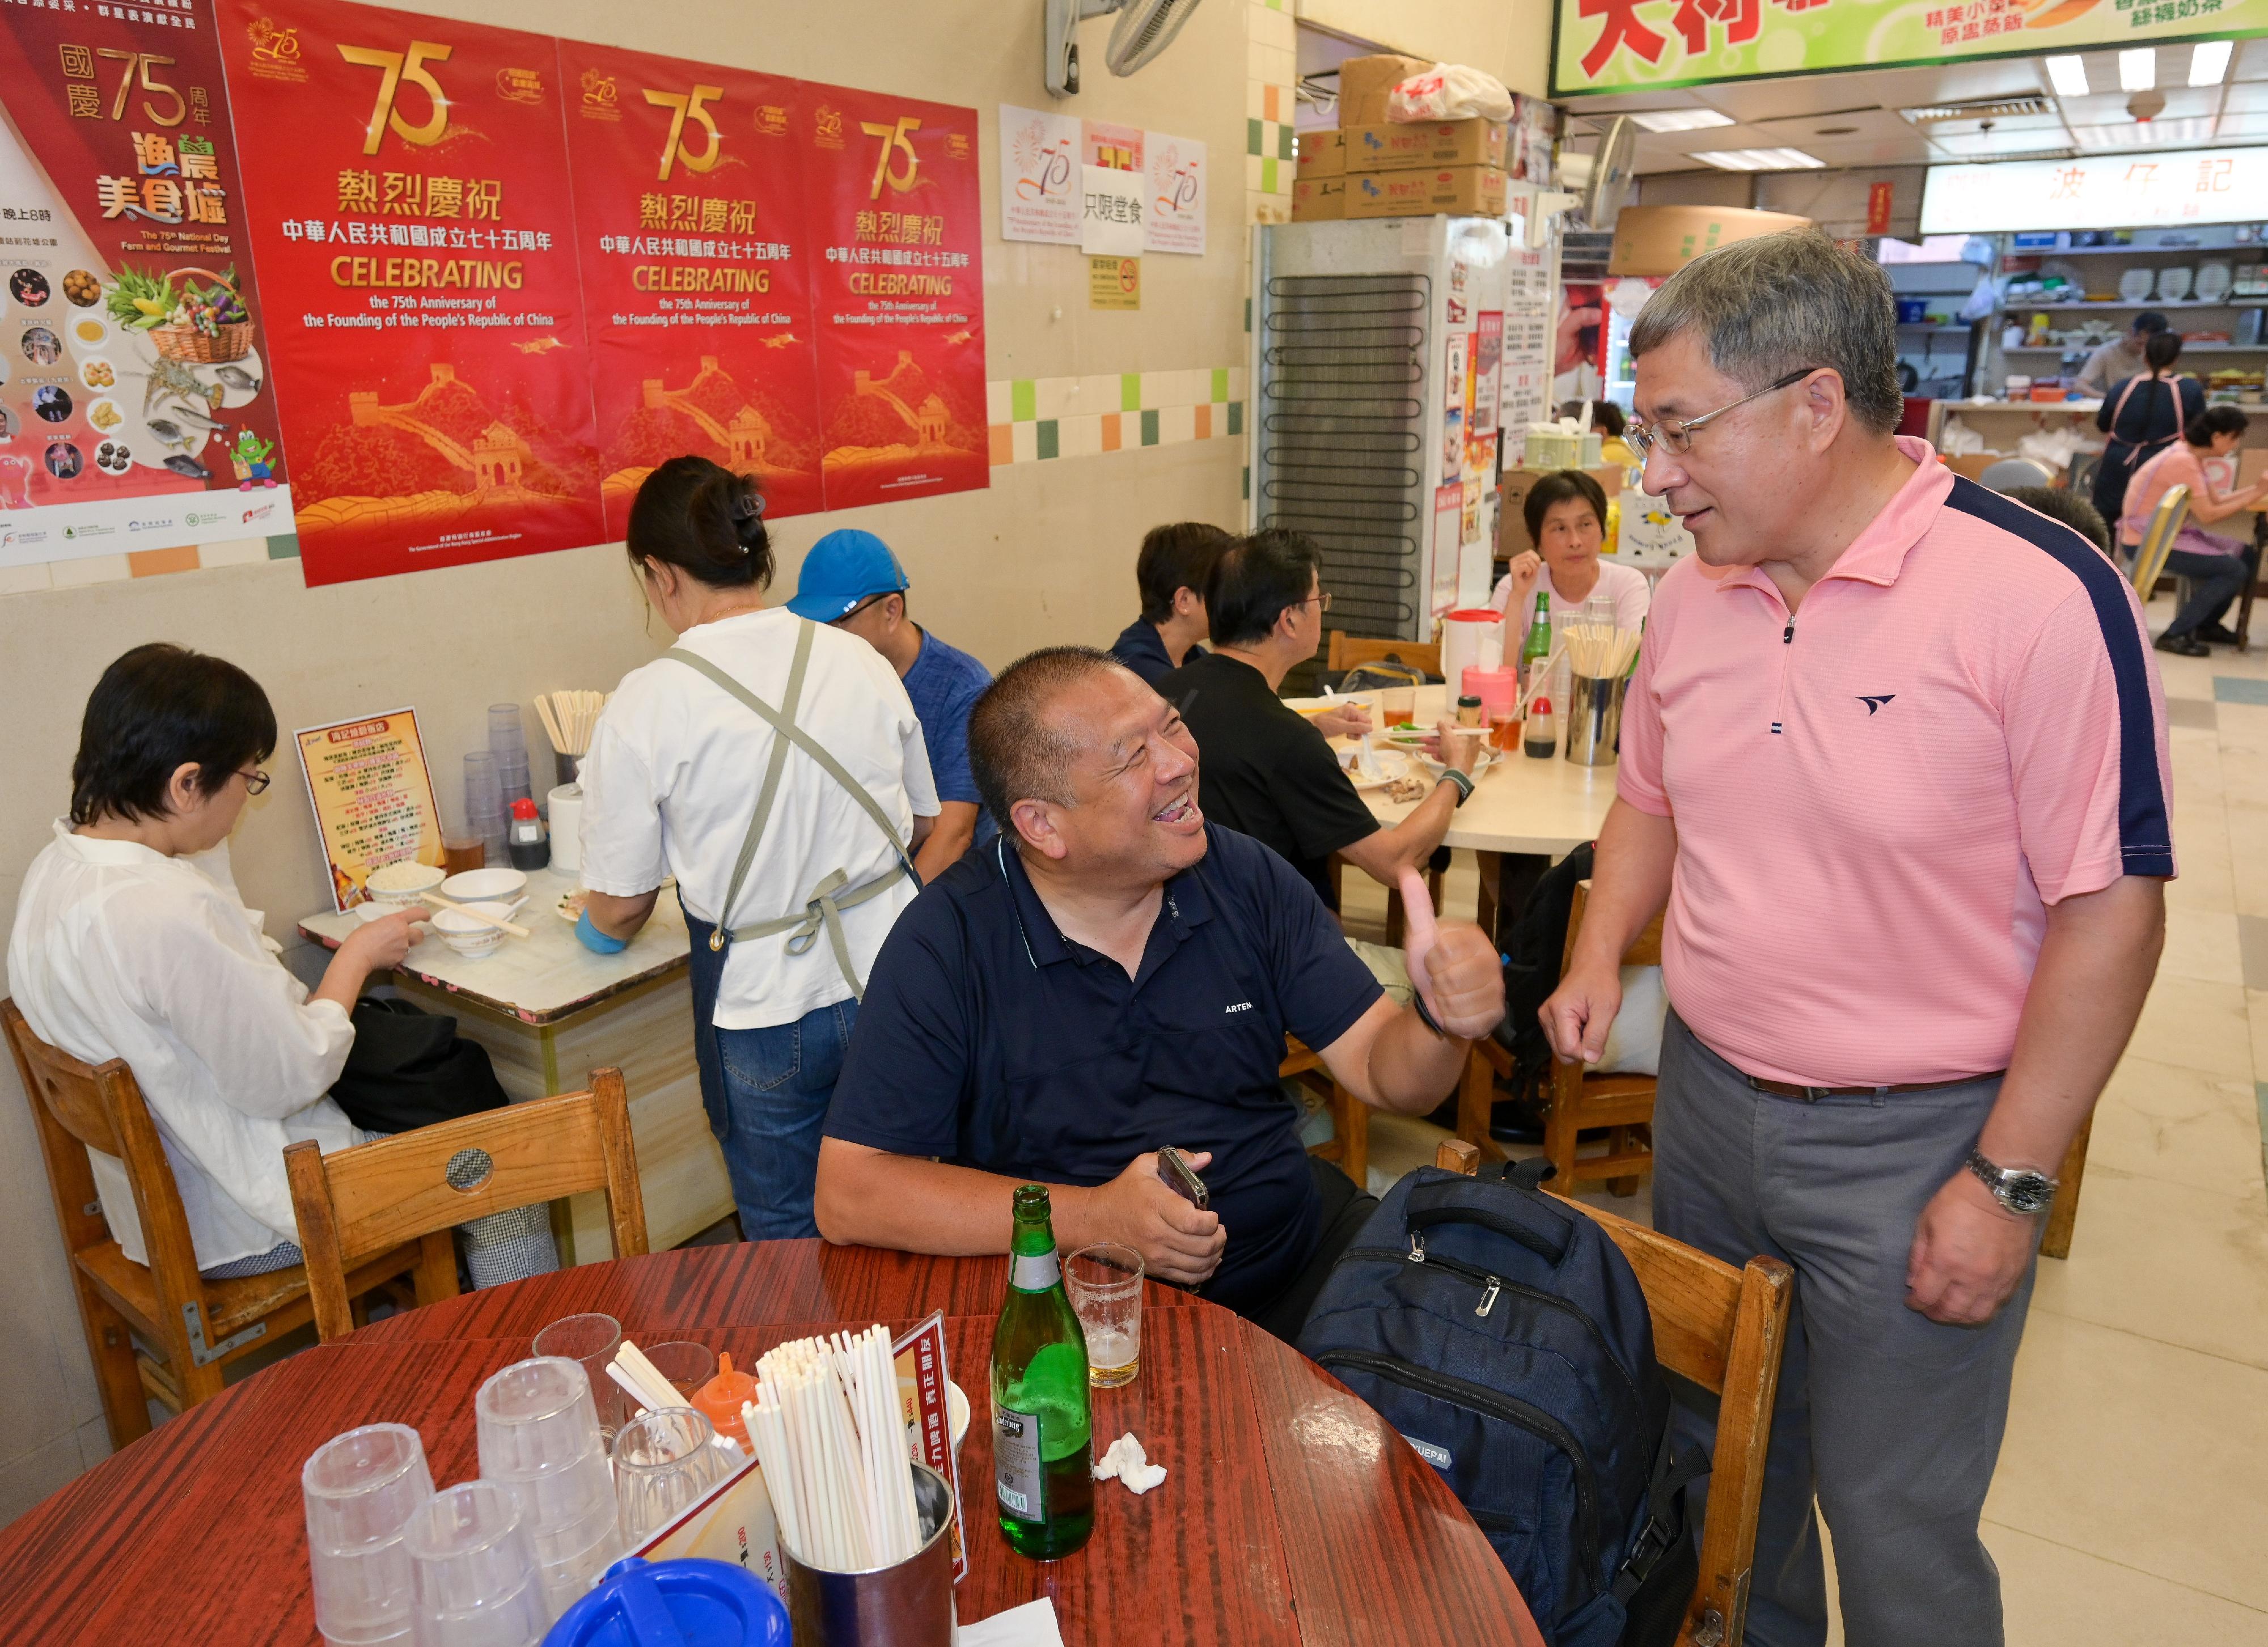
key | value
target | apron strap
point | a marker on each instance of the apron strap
(824, 912)
(823, 907)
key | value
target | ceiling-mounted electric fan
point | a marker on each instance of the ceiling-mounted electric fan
(1144, 29)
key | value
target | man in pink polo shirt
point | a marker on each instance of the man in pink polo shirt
(1895, 761)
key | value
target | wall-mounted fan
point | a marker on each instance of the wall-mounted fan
(1144, 29)
(1608, 187)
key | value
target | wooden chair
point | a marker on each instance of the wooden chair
(196, 1327)
(419, 1185)
(2158, 540)
(1622, 1103)
(1350, 1142)
(1352, 651)
(1725, 1330)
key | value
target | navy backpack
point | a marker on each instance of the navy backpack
(1504, 1335)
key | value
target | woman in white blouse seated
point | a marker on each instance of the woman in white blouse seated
(1566, 516)
(131, 942)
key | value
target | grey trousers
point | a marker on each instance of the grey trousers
(1894, 1420)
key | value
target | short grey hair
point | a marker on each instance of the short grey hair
(1781, 303)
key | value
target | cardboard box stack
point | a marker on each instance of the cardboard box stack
(1374, 167)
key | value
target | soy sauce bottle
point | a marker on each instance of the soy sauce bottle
(1042, 1429)
(1542, 733)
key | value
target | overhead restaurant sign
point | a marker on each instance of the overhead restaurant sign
(2196, 186)
(1645, 45)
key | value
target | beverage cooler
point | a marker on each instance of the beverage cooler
(1387, 354)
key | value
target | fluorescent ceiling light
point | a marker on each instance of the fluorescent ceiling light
(2068, 76)
(1759, 159)
(2138, 69)
(2155, 134)
(2209, 62)
(1688, 119)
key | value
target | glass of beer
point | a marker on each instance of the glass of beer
(1105, 1284)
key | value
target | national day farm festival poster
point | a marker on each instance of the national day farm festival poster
(503, 275)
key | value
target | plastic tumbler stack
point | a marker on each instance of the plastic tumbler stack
(508, 743)
(484, 802)
(539, 1437)
(361, 1491)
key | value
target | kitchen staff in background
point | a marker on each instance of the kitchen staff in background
(776, 768)
(2143, 416)
(851, 580)
(2121, 357)
(131, 942)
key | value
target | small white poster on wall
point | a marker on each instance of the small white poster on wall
(1176, 218)
(1111, 214)
(1039, 176)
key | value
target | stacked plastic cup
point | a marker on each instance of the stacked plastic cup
(473, 1571)
(539, 1436)
(360, 1490)
(508, 743)
(484, 808)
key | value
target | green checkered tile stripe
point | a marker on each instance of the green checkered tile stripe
(1035, 419)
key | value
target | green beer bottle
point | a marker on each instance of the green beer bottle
(1042, 1432)
(1535, 648)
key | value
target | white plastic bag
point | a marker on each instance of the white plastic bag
(1449, 91)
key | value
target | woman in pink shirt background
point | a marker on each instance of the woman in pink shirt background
(1566, 516)
(2213, 564)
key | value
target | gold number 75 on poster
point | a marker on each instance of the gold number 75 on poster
(397, 67)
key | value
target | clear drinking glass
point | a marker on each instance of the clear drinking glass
(591, 1340)
(662, 1463)
(359, 1490)
(1105, 1284)
(472, 1571)
(686, 1364)
(539, 1436)
(1397, 706)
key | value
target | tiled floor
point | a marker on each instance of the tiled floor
(2130, 1505)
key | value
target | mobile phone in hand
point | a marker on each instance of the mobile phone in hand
(1179, 1177)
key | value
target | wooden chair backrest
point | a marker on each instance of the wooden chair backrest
(1724, 1328)
(359, 1202)
(79, 1106)
(1645, 949)
(2158, 539)
(1352, 651)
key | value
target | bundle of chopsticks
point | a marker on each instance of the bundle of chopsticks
(1599, 651)
(831, 1438)
(646, 1385)
(569, 717)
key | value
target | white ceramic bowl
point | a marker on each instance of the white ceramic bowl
(956, 1413)
(403, 882)
(470, 937)
(476, 885)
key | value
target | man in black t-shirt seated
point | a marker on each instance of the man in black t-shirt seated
(1115, 975)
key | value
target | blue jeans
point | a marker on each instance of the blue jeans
(2215, 581)
(766, 1092)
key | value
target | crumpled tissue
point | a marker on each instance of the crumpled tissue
(1126, 1461)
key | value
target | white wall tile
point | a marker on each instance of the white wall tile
(1025, 441)
(1098, 392)
(1051, 397)
(95, 569)
(1079, 436)
(235, 552)
(999, 401)
(1176, 424)
(25, 1482)
(21, 580)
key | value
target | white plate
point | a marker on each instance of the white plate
(2214, 281)
(2174, 283)
(475, 885)
(88, 374)
(2134, 285)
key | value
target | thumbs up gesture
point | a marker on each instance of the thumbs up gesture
(1453, 964)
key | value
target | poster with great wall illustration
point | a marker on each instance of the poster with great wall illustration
(412, 214)
(895, 209)
(136, 414)
(697, 298)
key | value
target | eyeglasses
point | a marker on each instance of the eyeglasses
(255, 783)
(1321, 602)
(1676, 433)
(861, 606)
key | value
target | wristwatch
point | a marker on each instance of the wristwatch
(2018, 1188)
(1450, 774)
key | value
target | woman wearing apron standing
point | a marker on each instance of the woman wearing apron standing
(2143, 416)
(775, 768)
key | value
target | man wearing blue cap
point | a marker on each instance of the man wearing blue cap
(851, 581)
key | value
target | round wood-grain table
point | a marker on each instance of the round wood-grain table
(1291, 1513)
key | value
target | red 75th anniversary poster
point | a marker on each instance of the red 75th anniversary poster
(696, 271)
(892, 192)
(412, 214)
(135, 411)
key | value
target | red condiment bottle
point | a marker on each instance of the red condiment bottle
(720, 1400)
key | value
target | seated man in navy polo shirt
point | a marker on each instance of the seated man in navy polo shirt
(850, 580)
(1171, 571)
(1113, 974)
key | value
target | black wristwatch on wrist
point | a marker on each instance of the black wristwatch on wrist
(1450, 774)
